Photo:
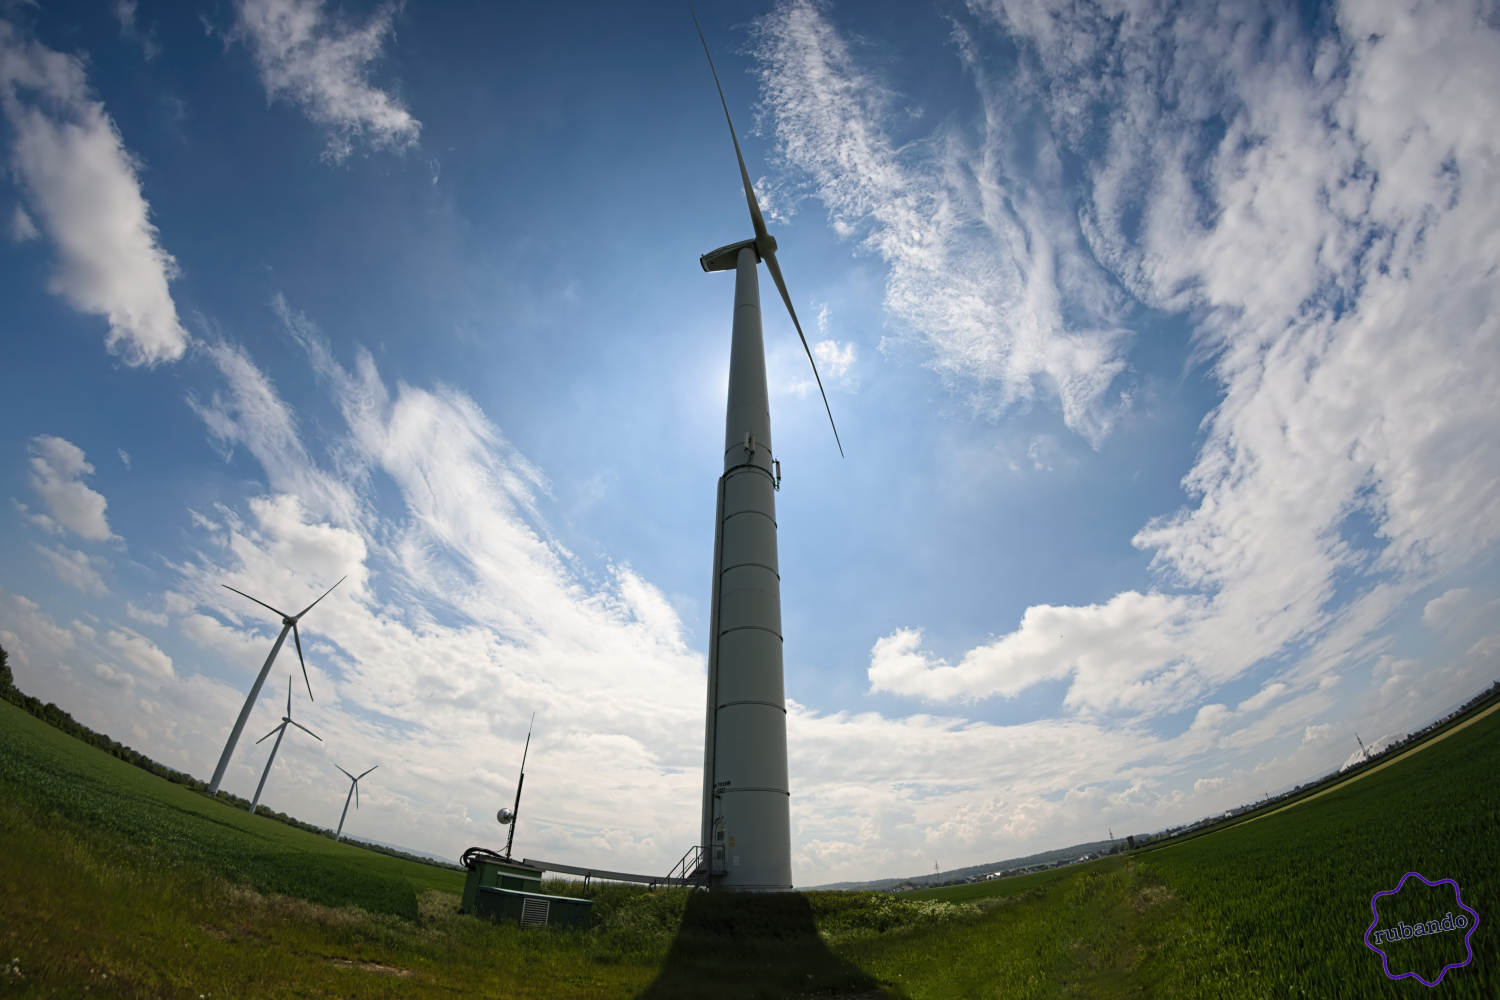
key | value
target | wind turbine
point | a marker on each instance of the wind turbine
(353, 794)
(279, 732)
(746, 828)
(288, 624)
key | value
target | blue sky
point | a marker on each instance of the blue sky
(1162, 342)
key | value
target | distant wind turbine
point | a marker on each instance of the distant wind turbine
(353, 794)
(746, 828)
(279, 732)
(288, 624)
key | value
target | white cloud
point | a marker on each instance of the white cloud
(974, 270)
(22, 229)
(30, 637)
(124, 457)
(1460, 615)
(40, 520)
(1136, 652)
(84, 192)
(1338, 229)
(1044, 452)
(1281, 722)
(140, 652)
(875, 794)
(836, 358)
(1205, 786)
(1319, 733)
(1264, 697)
(788, 372)
(125, 13)
(322, 65)
(250, 413)
(111, 675)
(73, 568)
(1330, 228)
(145, 616)
(57, 470)
(1441, 610)
(1210, 717)
(244, 650)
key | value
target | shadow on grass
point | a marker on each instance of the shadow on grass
(741, 945)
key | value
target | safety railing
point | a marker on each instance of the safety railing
(688, 868)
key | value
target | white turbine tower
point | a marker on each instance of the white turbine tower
(288, 624)
(746, 827)
(353, 794)
(279, 732)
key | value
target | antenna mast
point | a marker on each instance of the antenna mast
(515, 810)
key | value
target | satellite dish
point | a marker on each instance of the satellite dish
(505, 816)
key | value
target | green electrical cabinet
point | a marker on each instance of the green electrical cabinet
(495, 874)
(533, 907)
(509, 890)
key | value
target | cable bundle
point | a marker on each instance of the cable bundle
(472, 858)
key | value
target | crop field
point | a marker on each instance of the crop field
(169, 827)
(114, 882)
(1281, 902)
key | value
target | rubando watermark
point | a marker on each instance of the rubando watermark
(1403, 930)
(1396, 940)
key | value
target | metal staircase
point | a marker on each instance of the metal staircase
(691, 869)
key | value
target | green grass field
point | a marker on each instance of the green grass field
(114, 882)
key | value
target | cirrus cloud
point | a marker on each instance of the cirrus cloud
(1329, 230)
(322, 65)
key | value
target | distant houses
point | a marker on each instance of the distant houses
(908, 885)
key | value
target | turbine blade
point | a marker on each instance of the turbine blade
(308, 731)
(272, 733)
(247, 596)
(755, 217)
(775, 270)
(347, 774)
(367, 772)
(356, 795)
(298, 640)
(325, 594)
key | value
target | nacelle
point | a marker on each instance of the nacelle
(723, 259)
